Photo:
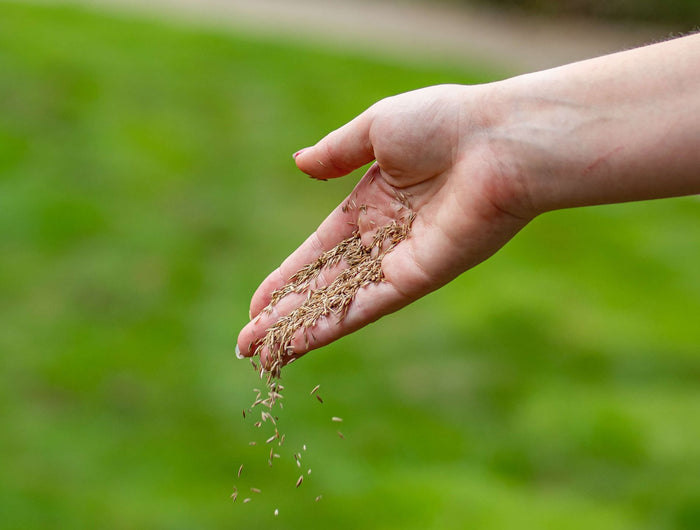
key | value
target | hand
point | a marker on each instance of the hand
(433, 146)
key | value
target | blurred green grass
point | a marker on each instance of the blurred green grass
(146, 187)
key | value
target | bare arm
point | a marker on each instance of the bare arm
(481, 161)
(622, 127)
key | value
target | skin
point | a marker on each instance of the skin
(479, 162)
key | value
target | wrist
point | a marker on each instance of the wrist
(513, 131)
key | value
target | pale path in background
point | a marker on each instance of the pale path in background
(406, 30)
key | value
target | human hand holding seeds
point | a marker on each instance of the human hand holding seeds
(469, 166)
(418, 142)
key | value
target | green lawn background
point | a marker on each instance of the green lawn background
(147, 186)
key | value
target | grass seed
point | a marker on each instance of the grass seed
(362, 267)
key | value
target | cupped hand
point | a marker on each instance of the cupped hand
(430, 146)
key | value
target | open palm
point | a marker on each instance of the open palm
(432, 156)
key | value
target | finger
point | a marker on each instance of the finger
(336, 227)
(370, 303)
(341, 152)
(339, 225)
(402, 284)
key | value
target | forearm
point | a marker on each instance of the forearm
(617, 128)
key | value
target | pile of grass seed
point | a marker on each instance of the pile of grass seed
(362, 267)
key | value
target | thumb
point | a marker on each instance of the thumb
(340, 152)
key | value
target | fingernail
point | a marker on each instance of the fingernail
(238, 353)
(300, 151)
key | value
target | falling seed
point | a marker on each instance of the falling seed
(243, 413)
(281, 441)
(362, 267)
(258, 423)
(304, 447)
(239, 471)
(271, 439)
(255, 490)
(308, 472)
(300, 480)
(277, 512)
(252, 443)
(319, 498)
(234, 495)
(246, 500)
